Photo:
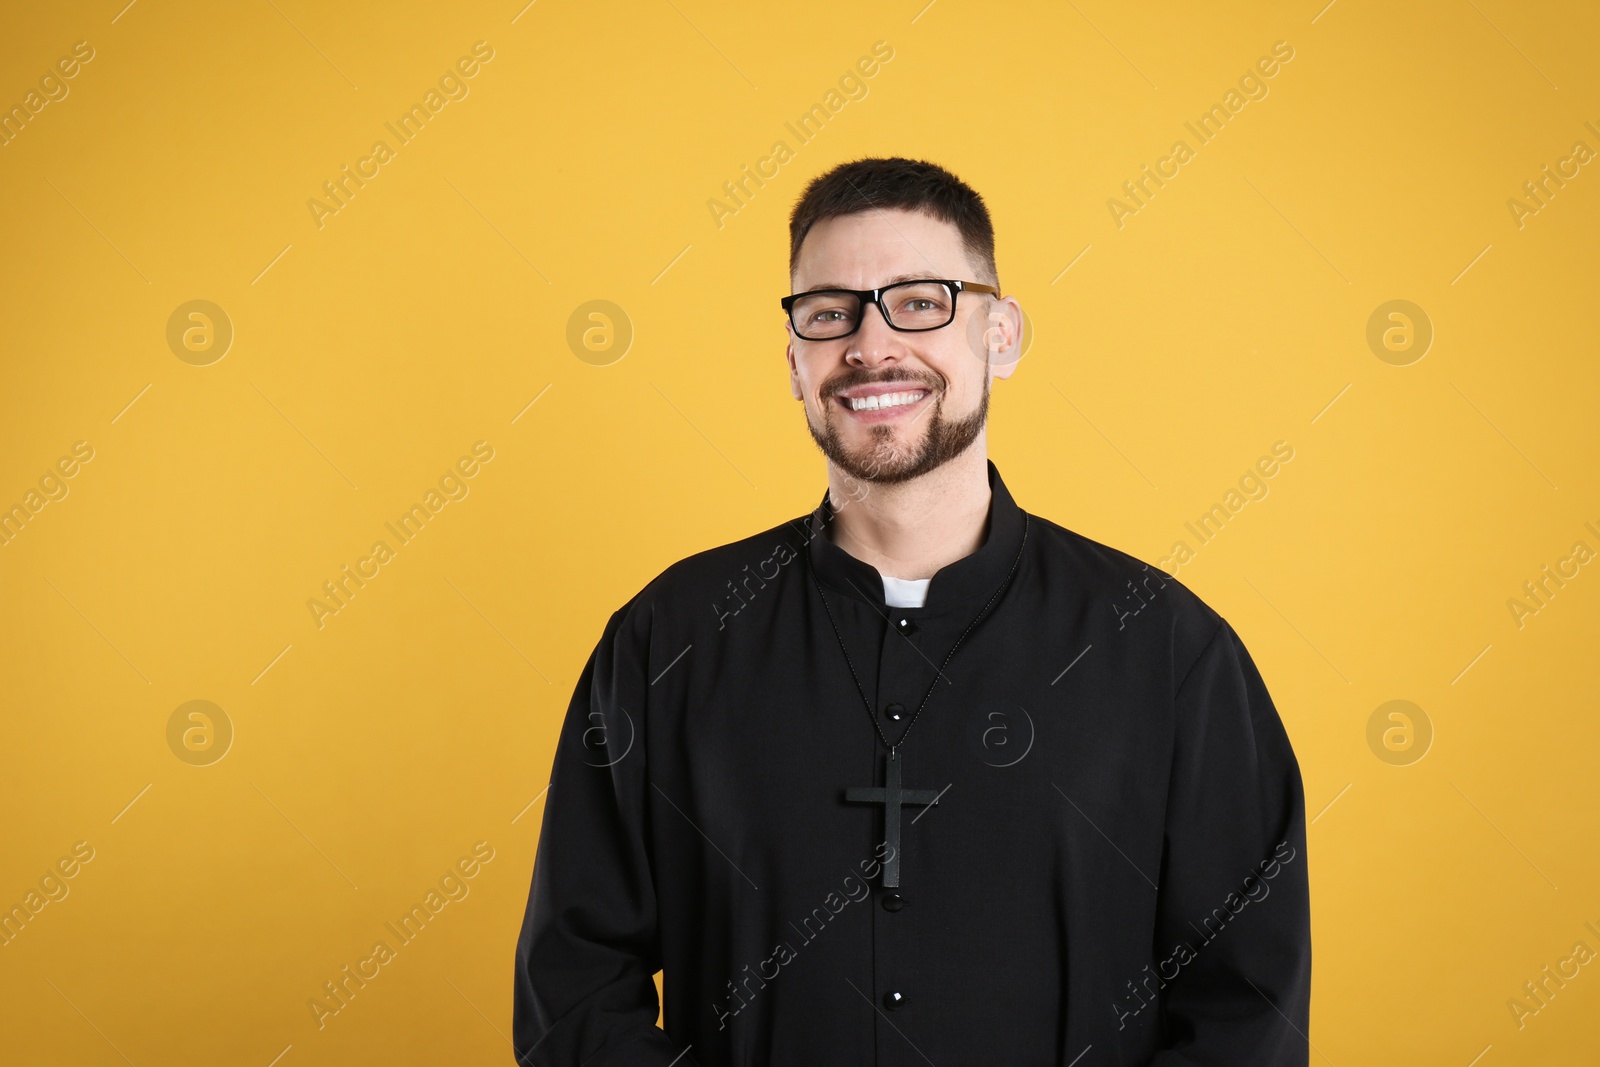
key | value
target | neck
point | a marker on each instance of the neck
(911, 529)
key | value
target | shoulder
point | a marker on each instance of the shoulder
(1127, 592)
(703, 579)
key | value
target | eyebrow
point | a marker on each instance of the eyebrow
(896, 280)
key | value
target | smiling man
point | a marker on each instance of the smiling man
(934, 780)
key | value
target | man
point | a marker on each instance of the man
(919, 778)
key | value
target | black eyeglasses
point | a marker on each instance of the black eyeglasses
(924, 304)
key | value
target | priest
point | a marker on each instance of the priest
(920, 778)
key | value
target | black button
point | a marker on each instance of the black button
(894, 712)
(906, 626)
(893, 902)
(893, 1000)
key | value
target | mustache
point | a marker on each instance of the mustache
(856, 378)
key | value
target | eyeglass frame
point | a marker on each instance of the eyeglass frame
(875, 296)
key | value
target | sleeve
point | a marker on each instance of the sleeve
(590, 947)
(1233, 919)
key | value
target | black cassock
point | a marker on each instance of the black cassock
(1097, 820)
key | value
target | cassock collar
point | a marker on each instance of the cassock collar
(964, 585)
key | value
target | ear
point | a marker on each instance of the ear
(1010, 326)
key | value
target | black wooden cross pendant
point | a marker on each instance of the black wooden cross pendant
(891, 796)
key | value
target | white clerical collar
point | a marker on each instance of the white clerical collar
(905, 592)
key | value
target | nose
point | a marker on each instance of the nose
(874, 341)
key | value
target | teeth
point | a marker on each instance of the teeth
(884, 400)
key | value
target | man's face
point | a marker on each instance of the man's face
(946, 370)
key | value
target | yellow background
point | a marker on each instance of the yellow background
(371, 753)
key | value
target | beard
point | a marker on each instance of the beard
(886, 459)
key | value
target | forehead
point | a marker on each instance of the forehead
(867, 250)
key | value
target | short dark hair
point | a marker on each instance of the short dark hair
(909, 184)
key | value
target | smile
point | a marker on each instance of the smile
(880, 401)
